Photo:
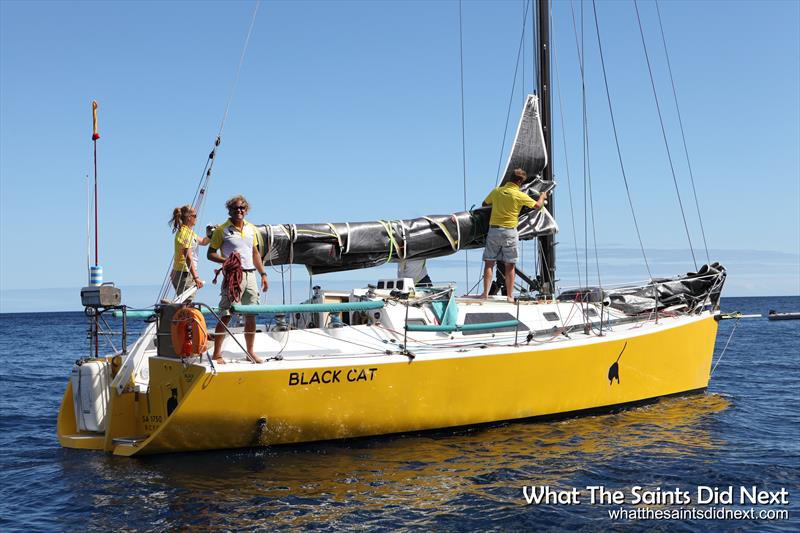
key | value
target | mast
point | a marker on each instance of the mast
(547, 249)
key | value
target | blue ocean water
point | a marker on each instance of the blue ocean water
(744, 431)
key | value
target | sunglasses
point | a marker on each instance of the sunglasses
(237, 208)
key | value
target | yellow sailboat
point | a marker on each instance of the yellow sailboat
(396, 357)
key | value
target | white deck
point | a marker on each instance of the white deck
(382, 341)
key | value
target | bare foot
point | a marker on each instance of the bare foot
(219, 360)
(484, 296)
(256, 359)
(510, 299)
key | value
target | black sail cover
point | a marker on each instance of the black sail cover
(332, 247)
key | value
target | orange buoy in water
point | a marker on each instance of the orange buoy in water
(189, 332)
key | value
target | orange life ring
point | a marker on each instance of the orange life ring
(189, 332)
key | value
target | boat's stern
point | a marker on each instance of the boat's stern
(89, 407)
(69, 436)
(94, 416)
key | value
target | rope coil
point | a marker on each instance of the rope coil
(232, 275)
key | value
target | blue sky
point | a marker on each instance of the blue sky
(349, 111)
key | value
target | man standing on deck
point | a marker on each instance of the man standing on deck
(502, 240)
(237, 237)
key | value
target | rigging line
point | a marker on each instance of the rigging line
(522, 244)
(534, 45)
(201, 194)
(588, 178)
(591, 211)
(463, 134)
(575, 32)
(285, 342)
(283, 287)
(475, 285)
(585, 148)
(566, 156)
(204, 174)
(373, 337)
(579, 47)
(239, 68)
(107, 333)
(165, 282)
(683, 135)
(616, 141)
(378, 350)
(548, 279)
(587, 169)
(664, 133)
(735, 324)
(537, 253)
(205, 177)
(510, 101)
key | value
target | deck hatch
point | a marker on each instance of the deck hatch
(483, 318)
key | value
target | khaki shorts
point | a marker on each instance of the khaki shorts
(501, 245)
(181, 281)
(249, 293)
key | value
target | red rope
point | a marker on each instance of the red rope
(231, 277)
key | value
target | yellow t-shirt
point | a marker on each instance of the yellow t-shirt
(184, 238)
(506, 202)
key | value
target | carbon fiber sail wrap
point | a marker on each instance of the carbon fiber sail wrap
(348, 246)
(528, 151)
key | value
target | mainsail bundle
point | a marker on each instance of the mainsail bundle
(331, 247)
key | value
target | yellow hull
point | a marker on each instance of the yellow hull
(283, 404)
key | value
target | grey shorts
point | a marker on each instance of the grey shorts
(501, 245)
(249, 293)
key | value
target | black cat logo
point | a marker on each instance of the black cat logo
(172, 403)
(613, 372)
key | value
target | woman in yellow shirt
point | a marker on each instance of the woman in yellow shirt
(184, 265)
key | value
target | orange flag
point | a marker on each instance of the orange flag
(95, 135)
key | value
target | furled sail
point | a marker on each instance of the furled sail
(331, 247)
(691, 291)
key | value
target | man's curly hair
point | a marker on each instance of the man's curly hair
(238, 198)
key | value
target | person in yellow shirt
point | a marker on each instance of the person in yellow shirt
(238, 236)
(502, 240)
(184, 264)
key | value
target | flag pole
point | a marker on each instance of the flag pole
(93, 276)
(88, 230)
(95, 136)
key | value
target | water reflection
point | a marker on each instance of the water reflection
(396, 478)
